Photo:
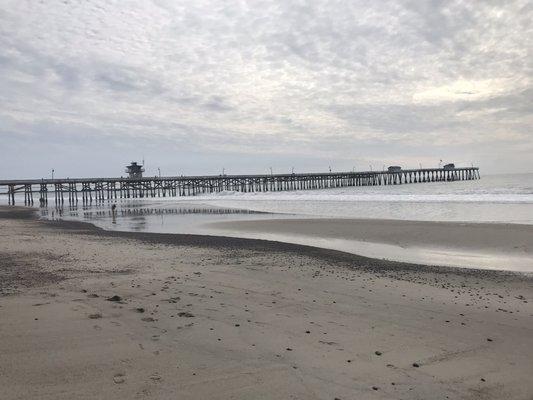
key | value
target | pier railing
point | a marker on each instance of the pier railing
(101, 189)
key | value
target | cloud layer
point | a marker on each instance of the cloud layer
(194, 85)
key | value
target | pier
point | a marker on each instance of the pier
(90, 190)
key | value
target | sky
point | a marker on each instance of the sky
(192, 87)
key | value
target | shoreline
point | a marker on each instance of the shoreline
(495, 246)
(88, 313)
(221, 241)
(490, 246)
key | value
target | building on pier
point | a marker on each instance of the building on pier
(449, 166)
(394, 168)
(134, 170)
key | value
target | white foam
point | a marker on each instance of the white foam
(356, 197)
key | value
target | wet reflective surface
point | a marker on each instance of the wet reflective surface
(152, 216)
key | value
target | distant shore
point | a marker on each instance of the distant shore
(88, 313)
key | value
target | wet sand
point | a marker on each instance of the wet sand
(92, 314)
(479, 245)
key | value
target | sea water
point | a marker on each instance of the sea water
(496, 198)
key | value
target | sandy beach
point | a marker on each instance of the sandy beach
(92, 314)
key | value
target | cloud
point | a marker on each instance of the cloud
(469, 90)
(322, 80)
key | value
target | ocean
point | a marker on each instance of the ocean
(495, 198)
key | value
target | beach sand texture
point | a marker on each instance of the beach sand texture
(91, 314)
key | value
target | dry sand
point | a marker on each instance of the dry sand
(220, 318)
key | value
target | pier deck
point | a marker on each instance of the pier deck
(101, 189)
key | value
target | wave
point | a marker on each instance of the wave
(375, 197)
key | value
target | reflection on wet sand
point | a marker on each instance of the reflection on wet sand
(493, 246)
(91, 213)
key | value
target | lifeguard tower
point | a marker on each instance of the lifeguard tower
(134, 170)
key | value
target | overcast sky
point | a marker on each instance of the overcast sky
(195, 86)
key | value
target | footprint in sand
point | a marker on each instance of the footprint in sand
(119, 378)
(155, 377)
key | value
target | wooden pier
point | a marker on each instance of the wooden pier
(108, 189)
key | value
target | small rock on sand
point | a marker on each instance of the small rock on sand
(185, 314)
(114, 298)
